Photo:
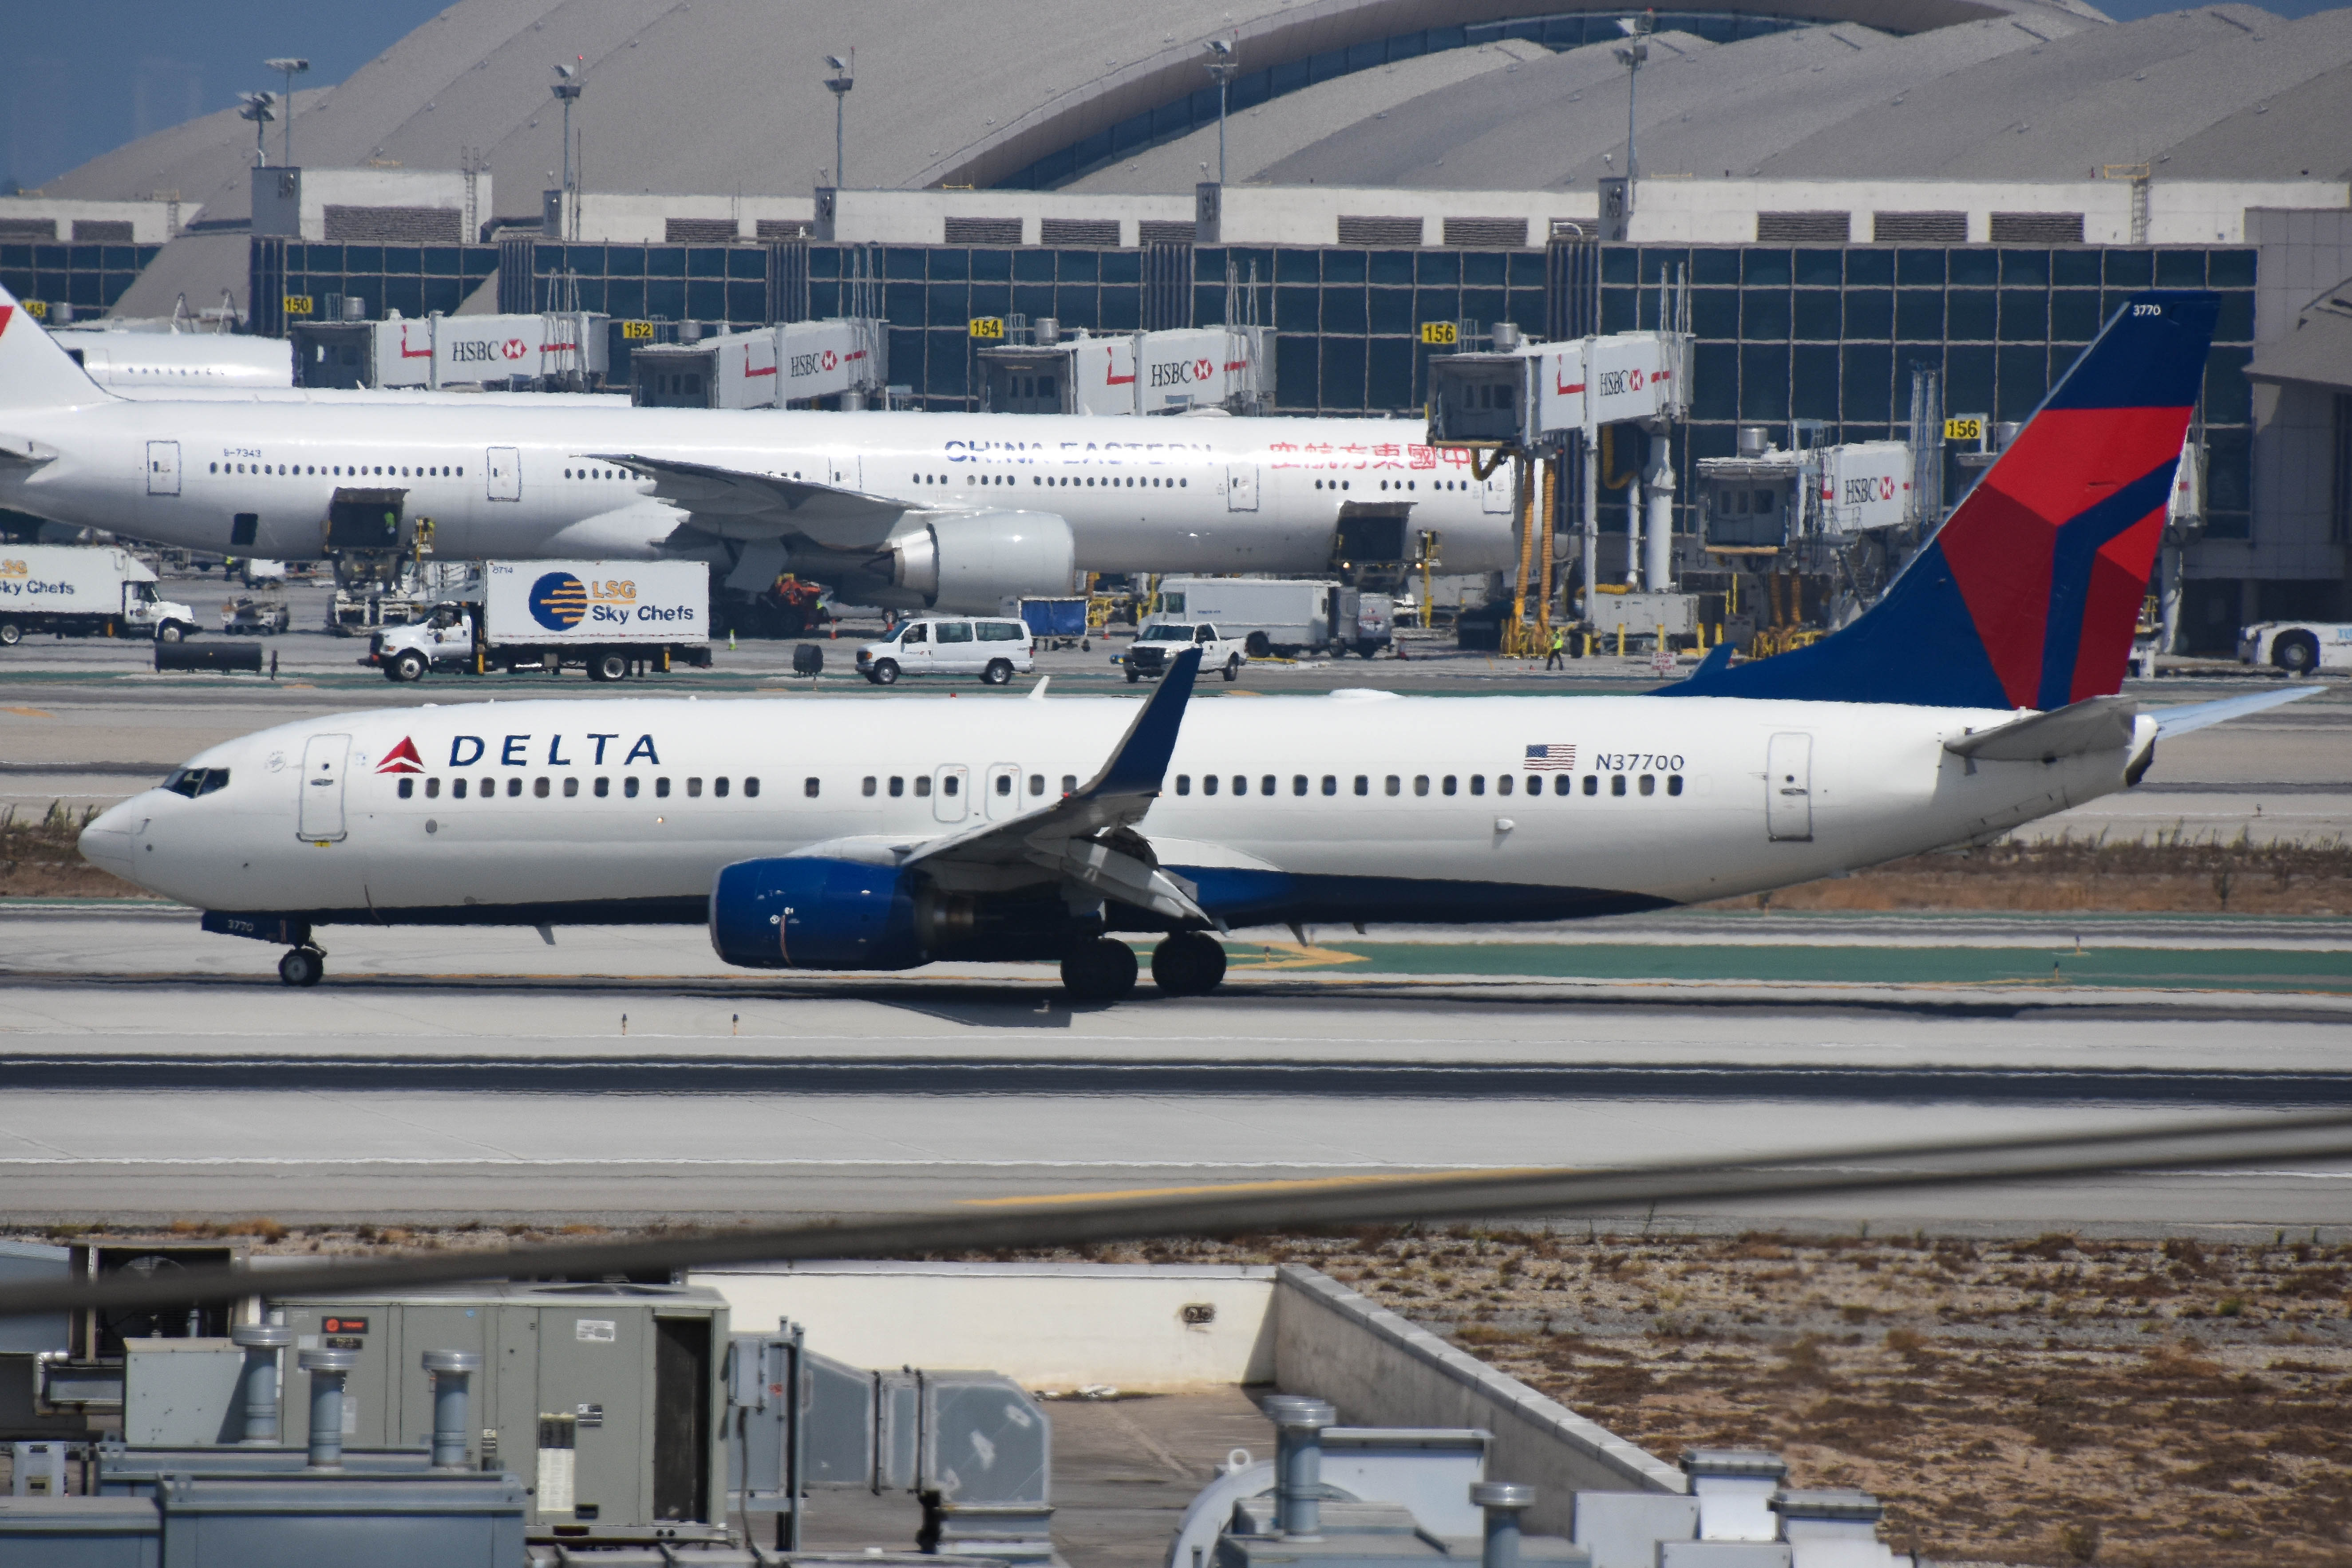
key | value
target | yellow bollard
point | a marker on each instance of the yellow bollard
(1621, 639)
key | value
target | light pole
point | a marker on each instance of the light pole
(289, 66)
(567, 89)
(844, 78)
(1632, 56)
(258, 109)
(1224, 67)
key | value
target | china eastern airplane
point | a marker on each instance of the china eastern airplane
(953, 511)
(1979, 693)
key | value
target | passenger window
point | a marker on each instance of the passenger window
(1420, 784)
(948, 786)
(1448, 785)
(922, 786)
(1674, 784)
(571, 787)
(1363, 783)
(1477, 784)
(1069, 783)
(1005, 784)
(1240, 783)
(915, 634)
(1649, 783)
(1208, 784)
(719, 788)
(1592, 783)
(955, 631)
(407, 788)
(1502, 784)
(514, 788)
(538, 788)
(1617, 784)
(1036, 784)
(661, 789)
(629, 786)
(1003, 631)
(750, 789)
(694, 789)
(1330, 783)
(1183, 784)
(432, 789)
(1298, 783)
(1395, 785)
(603, 788)
(809, 788)
(1266, 784)
(897, 787)
(868, 787)
(1562, 783)
(456, 789)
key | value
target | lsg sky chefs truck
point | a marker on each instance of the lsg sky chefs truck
(76, 591)
(611, 618)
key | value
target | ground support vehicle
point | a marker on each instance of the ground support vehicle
(611, 618)
(1282, 615)
(254, 617)
(1158, 643)
(993, 648)
(84, 591)
(1059, 622)
(2299, 648)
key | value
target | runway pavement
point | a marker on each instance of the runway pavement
(148, 1072)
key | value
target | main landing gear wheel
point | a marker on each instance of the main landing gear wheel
(1101, 971)
(1187, 963)
(302, 966)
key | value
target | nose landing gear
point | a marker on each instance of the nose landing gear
(302, 966)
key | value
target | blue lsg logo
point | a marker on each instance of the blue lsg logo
(558, 601)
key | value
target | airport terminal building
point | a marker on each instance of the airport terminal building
(1847, 192)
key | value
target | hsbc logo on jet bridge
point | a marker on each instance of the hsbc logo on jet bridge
(482, 351)
(1182, 372)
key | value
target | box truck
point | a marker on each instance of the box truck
(611, 618)
(84, 591)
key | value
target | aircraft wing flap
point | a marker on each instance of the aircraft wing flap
(2096, 724)
(2189, 716)
(1086, 836)
(738, 503)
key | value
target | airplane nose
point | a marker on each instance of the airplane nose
(106, 842)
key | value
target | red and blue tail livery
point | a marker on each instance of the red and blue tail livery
(2027, 597)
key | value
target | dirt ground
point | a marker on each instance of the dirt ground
(2055, 1401)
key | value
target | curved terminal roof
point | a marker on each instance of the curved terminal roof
(721, 96)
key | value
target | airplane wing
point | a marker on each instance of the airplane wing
(1088, 837)
(735, 503)
(2188, 716)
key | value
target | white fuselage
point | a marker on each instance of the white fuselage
(498, 479)
(1720, 797)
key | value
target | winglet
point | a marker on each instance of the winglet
(1141, 760)
(1037, 692)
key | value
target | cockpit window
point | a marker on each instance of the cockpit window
(195, 782)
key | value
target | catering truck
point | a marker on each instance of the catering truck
(84, 591)
(611, 618)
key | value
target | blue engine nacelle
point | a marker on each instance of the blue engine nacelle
(811, 913)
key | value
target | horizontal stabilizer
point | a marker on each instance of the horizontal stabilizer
(2189, 716)
(2096, 724)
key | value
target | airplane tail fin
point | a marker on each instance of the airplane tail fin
(2028, 594)
(35, 372)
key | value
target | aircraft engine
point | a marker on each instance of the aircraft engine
(971, 564)
(805, 912)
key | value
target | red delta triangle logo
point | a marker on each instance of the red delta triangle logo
(7, 313)
(402, 759)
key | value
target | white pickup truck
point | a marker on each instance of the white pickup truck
(2297, 647)
(1159, 642)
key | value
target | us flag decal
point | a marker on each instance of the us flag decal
(1557, 758)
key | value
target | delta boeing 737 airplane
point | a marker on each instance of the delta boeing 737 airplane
(1979, 693)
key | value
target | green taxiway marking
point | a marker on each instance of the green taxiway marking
(2198, 969)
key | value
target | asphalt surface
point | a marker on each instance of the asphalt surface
(150, 1072)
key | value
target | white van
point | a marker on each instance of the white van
(992, 647)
